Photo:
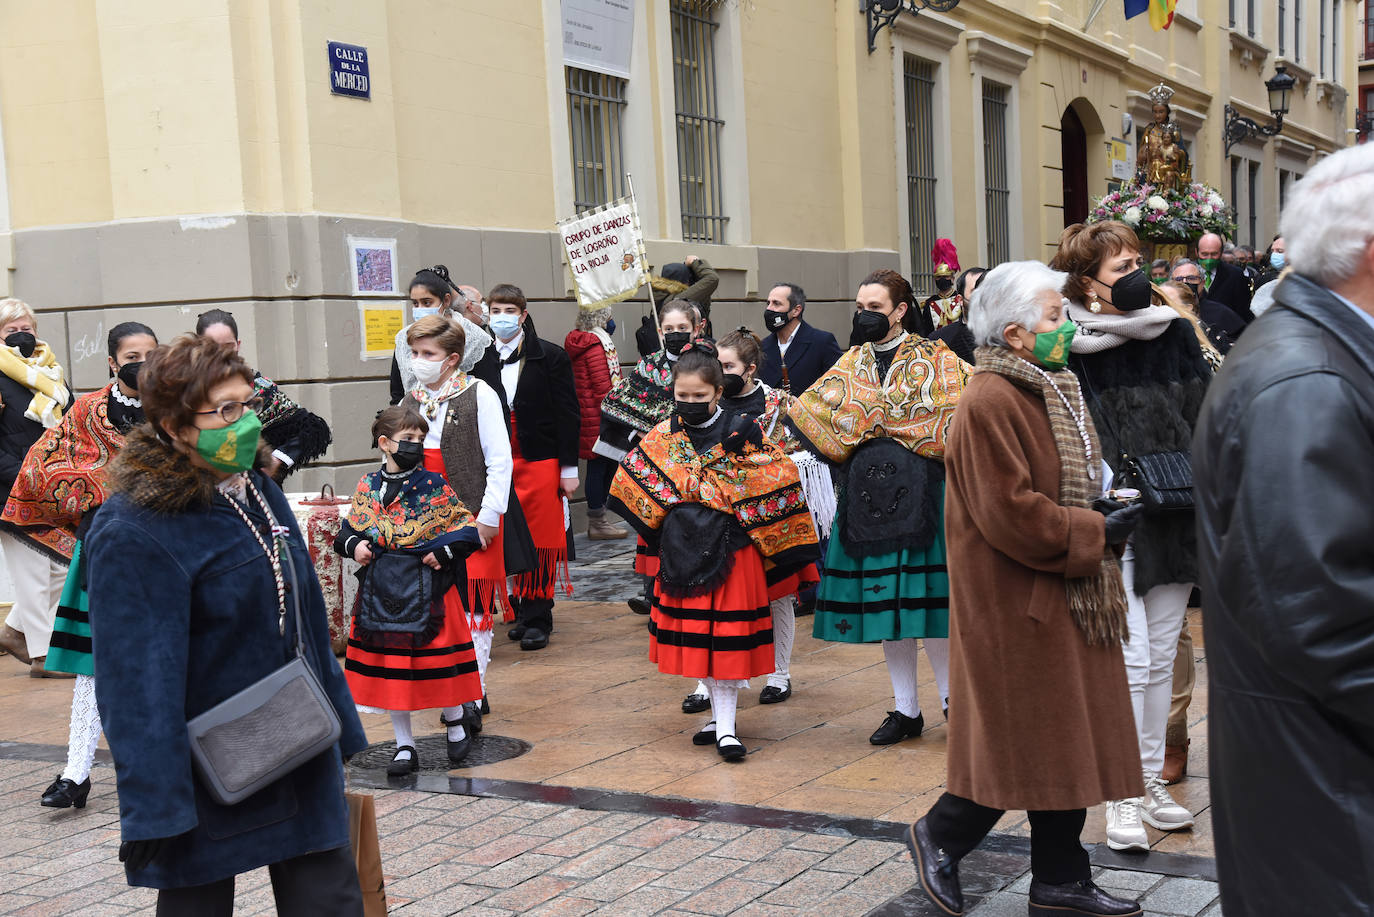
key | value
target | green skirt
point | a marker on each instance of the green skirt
(885, 596)
(70, 650)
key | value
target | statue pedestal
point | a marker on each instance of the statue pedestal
(1152, 251)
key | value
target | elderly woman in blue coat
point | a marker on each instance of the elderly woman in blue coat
(186, 606)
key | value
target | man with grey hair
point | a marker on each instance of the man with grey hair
(1282, 457)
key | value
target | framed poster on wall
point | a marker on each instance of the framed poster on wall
(372, 265)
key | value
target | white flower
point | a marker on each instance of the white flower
(1157, 203)
(1206, 210)
(1215, 200)
(1131, 217)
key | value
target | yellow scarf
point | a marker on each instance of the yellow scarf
(42, 375)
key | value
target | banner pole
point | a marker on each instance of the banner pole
(653, 306)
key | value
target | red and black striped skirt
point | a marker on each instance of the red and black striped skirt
(726, 634)
(440, 674)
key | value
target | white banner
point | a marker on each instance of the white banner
(605, 252)
(598, 35)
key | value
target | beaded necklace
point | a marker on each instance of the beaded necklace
(1077, 418)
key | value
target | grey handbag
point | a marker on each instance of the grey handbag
(270, 728)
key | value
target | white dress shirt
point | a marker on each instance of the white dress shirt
(495, 441)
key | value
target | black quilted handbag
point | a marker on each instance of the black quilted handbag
(1164, 479)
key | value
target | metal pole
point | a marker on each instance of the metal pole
(630, 184)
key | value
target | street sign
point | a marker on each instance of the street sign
(348, 73)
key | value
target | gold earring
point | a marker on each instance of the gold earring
(1094, 307)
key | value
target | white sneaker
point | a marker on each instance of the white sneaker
(1159, 809)
(1124, 830)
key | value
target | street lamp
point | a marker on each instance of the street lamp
(880, 14)
(1239, 127)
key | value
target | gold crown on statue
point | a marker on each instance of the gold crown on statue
(1161, 94)
(943, 270)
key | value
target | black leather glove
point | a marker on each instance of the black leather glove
(136, 855)
(1121, 522)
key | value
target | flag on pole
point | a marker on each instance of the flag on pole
(605, 252)
(1161, 11)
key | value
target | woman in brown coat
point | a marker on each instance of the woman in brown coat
(1040, 718)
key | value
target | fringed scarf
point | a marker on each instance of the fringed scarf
(429, 401)
(41, 375)
(642, 399)
(1097, 603)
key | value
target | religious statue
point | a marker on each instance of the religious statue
(1162, 161)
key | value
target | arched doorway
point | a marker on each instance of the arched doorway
(1073, 140)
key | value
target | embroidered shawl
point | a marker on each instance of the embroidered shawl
(643, 398)
(425, 514)
(284, 422)
(756, 484)
(63, 476)
(852, 403)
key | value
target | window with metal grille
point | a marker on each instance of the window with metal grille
(1250, 18)
(919, 82)
(1252, 194)
(699, 123)
(1297, 30)
(596, 107)
(996, 174)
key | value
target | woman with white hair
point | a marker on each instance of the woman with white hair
(1040, 715)
(33, 397)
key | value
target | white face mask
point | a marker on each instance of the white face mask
(427, 372)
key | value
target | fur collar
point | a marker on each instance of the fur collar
(155, 476)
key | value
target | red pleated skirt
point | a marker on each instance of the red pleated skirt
(486, 567)
(725, 634)
(442, 673)
(536, 484)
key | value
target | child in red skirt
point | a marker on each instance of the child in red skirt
(468, 445)
(723, 509)
(400, 657)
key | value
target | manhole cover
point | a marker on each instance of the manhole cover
(486, 749)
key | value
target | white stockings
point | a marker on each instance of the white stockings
(784, 633)
(901, 656)
(481, 643)
(724, 701)
(84, 734)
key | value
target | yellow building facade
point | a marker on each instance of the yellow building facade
(162, 157)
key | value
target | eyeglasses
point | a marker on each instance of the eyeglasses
(231, 411)
(1188, 278)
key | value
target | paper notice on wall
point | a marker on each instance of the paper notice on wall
(598, 35)
(605, 253)
(1118, 154)
(380, 323)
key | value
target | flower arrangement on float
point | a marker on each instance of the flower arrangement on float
(1164, 214)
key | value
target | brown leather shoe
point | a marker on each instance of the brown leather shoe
(1175, 762)
(37, 670)
(13, 643)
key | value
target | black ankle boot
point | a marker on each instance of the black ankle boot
(67, 794)
(1077, 898)
(938, 871)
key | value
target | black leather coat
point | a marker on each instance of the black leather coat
(1283, 461)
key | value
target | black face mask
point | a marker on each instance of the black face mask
(773, 320)
(1131, 292)
(944, 285)
(674, 341)
(23, 342)
(869, 327)
(695, 413)
(408, 455)
(1193, 285)
(734, 384)
(128, 374)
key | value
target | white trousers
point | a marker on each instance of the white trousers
(38, 582)
(1155, 620)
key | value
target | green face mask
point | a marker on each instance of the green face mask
(1209, 264)
(233, 448)
(1052, 347)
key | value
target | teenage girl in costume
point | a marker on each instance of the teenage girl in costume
(468, 444)
(638, 402)
(403, 508)
(724, 509)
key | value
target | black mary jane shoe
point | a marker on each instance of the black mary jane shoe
(67, 794)
(534, 639)
(772, 695)
(696, 703)
(517, 632)
(638, 605)
(399, 766)
(457, 751)
(1077, 898)
(706, 735)
(896, 727)
(938, 871)
(732, 752)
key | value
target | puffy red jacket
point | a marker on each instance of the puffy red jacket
(592, 377)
